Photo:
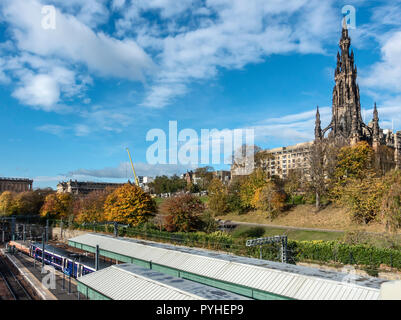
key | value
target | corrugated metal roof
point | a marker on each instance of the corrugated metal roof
(291, 281)
(130, 282)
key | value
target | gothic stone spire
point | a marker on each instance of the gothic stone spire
(318, 129)
(346, 112)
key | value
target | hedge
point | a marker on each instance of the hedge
(335, 251)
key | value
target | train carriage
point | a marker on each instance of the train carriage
(60, 259)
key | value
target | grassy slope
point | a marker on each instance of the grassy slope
(304, 216)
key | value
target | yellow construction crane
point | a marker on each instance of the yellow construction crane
(132, 165)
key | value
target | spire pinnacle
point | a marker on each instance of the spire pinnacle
(318, 129)
(345, 24)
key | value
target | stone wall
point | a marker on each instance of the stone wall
(67, 234)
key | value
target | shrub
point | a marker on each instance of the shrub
(253, 232)
(184, 213)
(209, 223)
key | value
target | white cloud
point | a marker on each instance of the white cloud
(74, 41)
(53, 129)
(40, 90)
(242, 33)
(386, 74)
(290, 129)
(117, 4)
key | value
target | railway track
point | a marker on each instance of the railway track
(11, 285)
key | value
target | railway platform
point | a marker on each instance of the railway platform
(65, 288)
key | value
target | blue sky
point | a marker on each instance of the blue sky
(72, 98)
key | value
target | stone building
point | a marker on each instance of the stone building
(15, 184)
(82, 188)
(284, 159)
(223, 175)
(346, 123)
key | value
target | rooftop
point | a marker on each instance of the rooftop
(130, 282)
(297, 282)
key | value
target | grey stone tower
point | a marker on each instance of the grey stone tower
(346, 119)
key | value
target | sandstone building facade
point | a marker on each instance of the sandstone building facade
(15, 184)
(82, 188)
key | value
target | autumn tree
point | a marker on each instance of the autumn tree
(363, 197)
(90, 208)
(257, 179)
(184, 213)
(269, 199)
(354, 162)
(218, 197)
(293, 183)
(7, 206)
(384, 159)
(129, 204)
(234, 195)
(317, 181)
(30, 202)
(57, 206)
(323, 160)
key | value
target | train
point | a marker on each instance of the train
(62, 260)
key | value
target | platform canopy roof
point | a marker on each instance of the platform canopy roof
(285, 280)
(130, 282)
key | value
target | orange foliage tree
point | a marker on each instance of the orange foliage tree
(269, 199)
(129, 204)
(57, 206)
(7, 206)
(184, 213)
(90, 208)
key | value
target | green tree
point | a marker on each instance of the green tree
(204, 176)
(164, 184)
